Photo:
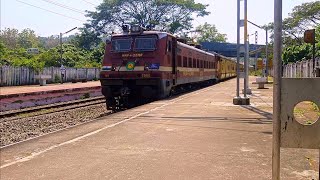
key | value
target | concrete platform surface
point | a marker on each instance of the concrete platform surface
(19, 97)
(199, 135)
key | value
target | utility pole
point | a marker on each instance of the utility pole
(246, 59)
(267, 61)
(62, 69)
(248, 63)
(61, 65)
(277, 66)
(256, 55)
(265, 71)
(238, 50)
(242, 23)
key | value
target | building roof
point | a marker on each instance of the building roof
(227, 49)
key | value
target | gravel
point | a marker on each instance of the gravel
(13, 131)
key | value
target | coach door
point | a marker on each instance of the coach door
(174, 61)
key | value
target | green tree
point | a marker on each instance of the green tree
(49, 42)
(209, 33)
(303, 17)
(86, 39)
(27, 39)
(165, 15)
(298, 52)
(9, 36)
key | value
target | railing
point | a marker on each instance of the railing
(301, 69)
(15, 76)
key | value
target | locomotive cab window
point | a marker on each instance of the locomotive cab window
(121, 45)
(145, 43)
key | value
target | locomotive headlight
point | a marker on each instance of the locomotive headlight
(135, 28)
(106, 68)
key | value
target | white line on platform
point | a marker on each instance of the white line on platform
(27, 158)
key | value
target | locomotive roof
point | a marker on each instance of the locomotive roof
(159, 33)
(164, 34)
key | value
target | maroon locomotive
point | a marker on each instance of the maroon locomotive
(142, 65)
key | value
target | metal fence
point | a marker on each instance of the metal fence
(301, 69)
(15, 76)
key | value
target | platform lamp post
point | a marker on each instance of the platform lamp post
(245, 100)
(265, 73)
(61, 52)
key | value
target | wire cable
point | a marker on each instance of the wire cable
(50, 11)
(64, 6)
(89, 2)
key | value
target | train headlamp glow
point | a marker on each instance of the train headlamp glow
(135, 28)
(154, 66)
(106, 68)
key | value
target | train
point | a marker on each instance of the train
(140, 65)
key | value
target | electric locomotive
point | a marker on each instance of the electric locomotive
(141, 65)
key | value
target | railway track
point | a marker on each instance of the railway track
(52, 108)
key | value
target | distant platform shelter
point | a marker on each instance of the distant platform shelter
(230, 49)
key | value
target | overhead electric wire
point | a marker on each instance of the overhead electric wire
(64, 6)
(50, 11)
(89, 2)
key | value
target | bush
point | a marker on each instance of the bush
(56, 79)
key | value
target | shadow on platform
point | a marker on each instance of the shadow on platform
(259, 111)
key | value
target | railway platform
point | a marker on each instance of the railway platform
(198, 135)
(16, 97)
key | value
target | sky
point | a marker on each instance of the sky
(18, 14)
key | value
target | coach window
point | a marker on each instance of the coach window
(194, 63)
(190, 62)
(179, 61)
(185, 62)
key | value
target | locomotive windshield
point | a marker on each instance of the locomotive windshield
(121, 45)
(145, 44)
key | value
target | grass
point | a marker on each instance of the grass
(85, 96)
(306, 112)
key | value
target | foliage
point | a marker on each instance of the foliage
(303, 17)
(295, 53)
(49, 42)
(256, 73)
(298, 53)
(86, 39)
(165, 15)
(14, 45)
(27, 39)
(9, 37)
(2, 49)
(209, 33)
